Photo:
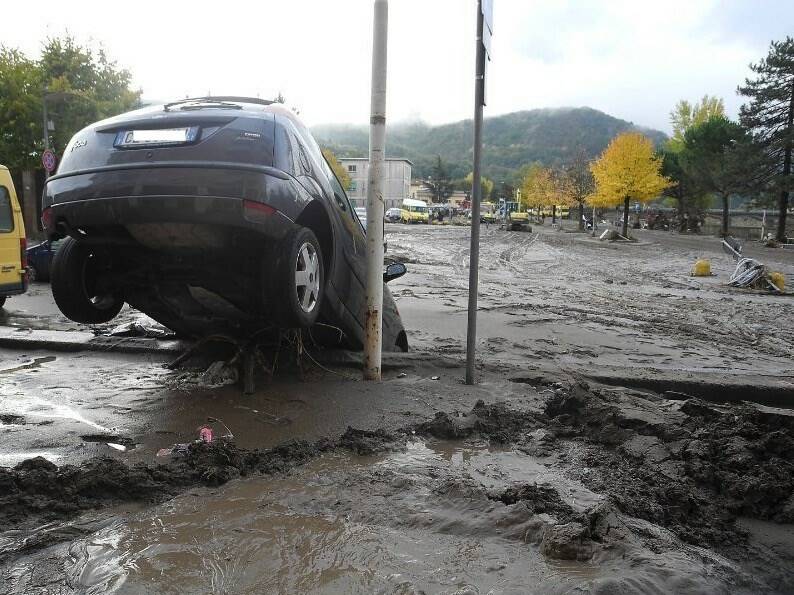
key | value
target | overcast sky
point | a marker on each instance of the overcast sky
(631, 59)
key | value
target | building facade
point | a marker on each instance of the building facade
(396, 186)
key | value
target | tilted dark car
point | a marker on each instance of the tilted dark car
(210, 215)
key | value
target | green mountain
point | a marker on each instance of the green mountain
(548, 136)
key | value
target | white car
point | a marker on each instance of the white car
(361, 212)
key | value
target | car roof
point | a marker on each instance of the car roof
(250, 106)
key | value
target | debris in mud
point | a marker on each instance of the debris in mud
(365, 442)
(750, 273)
(11, 419)
(496, 422)
(142, 327)
(566, 542)
(539, 499)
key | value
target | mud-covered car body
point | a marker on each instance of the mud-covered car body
(187, 202)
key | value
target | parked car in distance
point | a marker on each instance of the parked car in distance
(413, 211)
(40, 259)
(361, 212)
(210, 215)
(13, 245)
(392, 215)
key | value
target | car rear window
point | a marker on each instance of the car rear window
(6, 214)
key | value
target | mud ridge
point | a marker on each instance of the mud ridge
(36, 490)
(694, 469)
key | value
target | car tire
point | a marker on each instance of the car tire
(2, 301)
(300, 279)
(73, 278)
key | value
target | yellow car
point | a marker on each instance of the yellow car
(413, 211)
(13, 246)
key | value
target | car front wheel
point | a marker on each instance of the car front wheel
(301, 279)
(76, 280)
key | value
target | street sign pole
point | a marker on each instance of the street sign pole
(373, 341)
(46, 130)
(483, 36)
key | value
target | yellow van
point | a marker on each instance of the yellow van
(413, 211)
(13, 260)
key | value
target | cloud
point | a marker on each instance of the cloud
(631, 59)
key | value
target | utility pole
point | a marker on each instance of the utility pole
(373, 341)
(484, 28)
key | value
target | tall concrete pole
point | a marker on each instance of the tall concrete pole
(476, 191)
(373, 341)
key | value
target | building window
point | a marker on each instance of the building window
(351, 168)
(353, 186)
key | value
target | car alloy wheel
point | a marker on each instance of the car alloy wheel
(307, 277)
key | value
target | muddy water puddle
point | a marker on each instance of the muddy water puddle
(417, 521)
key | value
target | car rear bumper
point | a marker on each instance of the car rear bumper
(169, 193)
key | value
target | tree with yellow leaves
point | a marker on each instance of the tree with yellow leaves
(542, 187)
(628, 170)
(338, 168)
(537, 187)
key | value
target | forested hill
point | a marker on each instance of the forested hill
(548, 136)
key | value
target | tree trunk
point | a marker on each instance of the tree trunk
(681, 202)
(782, 205)
(581, 216)
(553, 214)
(725, 214)
(626, 217)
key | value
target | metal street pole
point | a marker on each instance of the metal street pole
(476, 191)
(377, 144)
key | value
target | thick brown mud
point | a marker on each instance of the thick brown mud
(596, 473)
(655, 477)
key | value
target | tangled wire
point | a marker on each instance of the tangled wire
(750, 273)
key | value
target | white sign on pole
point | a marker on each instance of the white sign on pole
(485, 36)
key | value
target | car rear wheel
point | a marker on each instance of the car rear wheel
(75, 278)
(2, 301)
(301, 279)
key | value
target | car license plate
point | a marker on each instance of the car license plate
(167, 136)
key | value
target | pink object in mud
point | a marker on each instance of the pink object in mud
(205, 434)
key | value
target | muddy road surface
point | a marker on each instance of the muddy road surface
(632, 432)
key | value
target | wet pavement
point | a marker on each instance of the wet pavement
(588, 481)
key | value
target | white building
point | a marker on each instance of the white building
(396, 186)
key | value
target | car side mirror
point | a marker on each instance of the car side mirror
(394, 271)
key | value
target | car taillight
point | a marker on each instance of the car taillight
(46, 218)
(257, 212)
(23, 252)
